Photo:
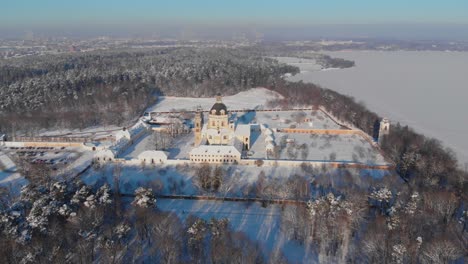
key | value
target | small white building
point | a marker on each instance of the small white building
(153, 156)
(122, 134)
(105, 155)
(215, 154)
(268, 132)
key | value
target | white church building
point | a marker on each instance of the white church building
(221, 139)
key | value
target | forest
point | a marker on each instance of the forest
(74, 90)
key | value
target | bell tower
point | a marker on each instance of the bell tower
(198, 125)
(384, 129)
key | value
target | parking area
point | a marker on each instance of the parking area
(55, 157)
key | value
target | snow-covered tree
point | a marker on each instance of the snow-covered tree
(218, 227)
(104, 195)
(412, 205)
(383, 198)
(90, 201)
(144, 198)
(197, 231)
(398, 253)
(80, 195)
(329, 205)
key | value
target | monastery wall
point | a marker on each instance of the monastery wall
(43, 144)
(317, 164)
(274, 163)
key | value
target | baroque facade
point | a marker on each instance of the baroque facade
(219, 135)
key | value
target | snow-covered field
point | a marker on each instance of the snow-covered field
(179, 180)
(251, 99)
(425, 90)
(288, 119)
(345, 148)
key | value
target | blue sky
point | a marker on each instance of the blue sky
(306, 18)
(263, 12)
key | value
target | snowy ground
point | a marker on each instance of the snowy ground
(295, 119)
(423, 89)
(63, 161)
(178, 180)
(142, 144)
(181, 146)
(251, 99)
(347, 148)
(8, 176)
(95, 132)
(259, 224)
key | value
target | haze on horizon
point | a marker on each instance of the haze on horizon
(275, 19)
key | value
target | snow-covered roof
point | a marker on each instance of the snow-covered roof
(243, 130)
(270, 147)
(215, 150)
(268, 131)
(137, 128)
(153, 154)
(214, 132)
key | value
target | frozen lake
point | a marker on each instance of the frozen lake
(426, 90)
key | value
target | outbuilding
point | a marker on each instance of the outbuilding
(153, 156)
(104, 155)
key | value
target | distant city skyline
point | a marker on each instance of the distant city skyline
(297, 19)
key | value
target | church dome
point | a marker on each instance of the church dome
(219, 108)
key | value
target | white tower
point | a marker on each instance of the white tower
(384, 128)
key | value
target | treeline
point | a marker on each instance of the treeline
(78, 90)
(341, 106)
(299, 51)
